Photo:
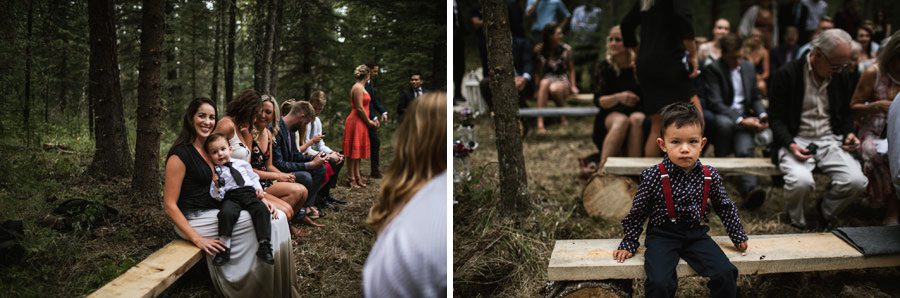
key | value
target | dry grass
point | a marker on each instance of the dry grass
(496, 255)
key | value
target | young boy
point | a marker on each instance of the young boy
(674, 195)
(238, 187)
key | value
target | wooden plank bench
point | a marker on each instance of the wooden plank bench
(583, 260)
(610, 196)
(154, 274)
(562, 111)
(582, 97)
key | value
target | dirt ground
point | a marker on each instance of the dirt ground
(495, 255)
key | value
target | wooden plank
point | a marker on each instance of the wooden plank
(154, 274)
(592, 259)
(587, 97)
(726, 165)
(563, 111)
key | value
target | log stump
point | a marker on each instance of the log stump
(609, 196)
(593, 288)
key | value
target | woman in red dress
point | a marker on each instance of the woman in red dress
(356, 127)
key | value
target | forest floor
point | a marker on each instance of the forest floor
(494, 255)
(76, 261)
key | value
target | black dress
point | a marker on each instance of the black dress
(194, 194)
(661, 65)
(608, 82)
(259, 161)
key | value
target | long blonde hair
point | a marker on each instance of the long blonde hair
(420, 153)
(276, 116)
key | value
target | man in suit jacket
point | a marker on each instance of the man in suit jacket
(811, 106)
(738, 115)
(375, 110)
(409, 94)
(309, 171)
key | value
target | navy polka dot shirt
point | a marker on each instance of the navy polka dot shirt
(687, 192)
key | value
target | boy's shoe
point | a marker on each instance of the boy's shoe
(222, 257)
(265, 252)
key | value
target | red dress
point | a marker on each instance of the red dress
(356, 132)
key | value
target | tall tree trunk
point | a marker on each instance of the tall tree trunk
(260, 43)
(26, 100)
(229, 65)
(61, 77)
(439, 52)
(214, 94)
(277, 6)
(194, 65)
(111, 157)
(513, 178)
(149, 106)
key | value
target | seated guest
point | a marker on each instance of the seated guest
(871, 101)
(710, 51)
(738, 115)
(617, 95)
(810, 118)
(894, 144)
(786, 51)
(409, 258)
(557, 73)
(335, 160)
(283, 186)
(409, 94)
(307, 170)
(758, 56)
(523, 61)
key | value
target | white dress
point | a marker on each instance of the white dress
(409, 259)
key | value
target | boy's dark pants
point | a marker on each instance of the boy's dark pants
(244, 198)
(691, 242)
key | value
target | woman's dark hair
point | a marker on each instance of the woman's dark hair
(244, 107)
(547, 39)
(212, 138)
(187, 134)
(680, 114)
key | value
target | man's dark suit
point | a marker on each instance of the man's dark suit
(375, 110)
(406, 98)
(728, 136)
(791, 15)
(287, 158)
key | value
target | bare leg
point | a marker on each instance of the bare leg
(650, 147)
(635, 133)
(558, 92)
(891, 211)
(542, 94)
(617, 128)
(293, 195)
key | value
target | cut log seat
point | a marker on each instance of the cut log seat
(154, 274)
(592, 259)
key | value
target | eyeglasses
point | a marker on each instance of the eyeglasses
(834, 67)
(221, 183)
(616, 39)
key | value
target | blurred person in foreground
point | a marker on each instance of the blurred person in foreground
(409, 258)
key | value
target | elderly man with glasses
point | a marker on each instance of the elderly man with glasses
(811, 121)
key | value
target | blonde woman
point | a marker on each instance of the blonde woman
(291, 195)
(356, 127)
(409, 258)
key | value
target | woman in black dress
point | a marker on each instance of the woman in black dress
(618, 96)
(667, 59)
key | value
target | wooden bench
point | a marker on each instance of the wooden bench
(582, 98)
(586, 260)
(563, 111)
(154, 274)
(610, 196)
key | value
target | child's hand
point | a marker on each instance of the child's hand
(742, 247)
(620, 255)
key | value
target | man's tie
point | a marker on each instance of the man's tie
(236, 174)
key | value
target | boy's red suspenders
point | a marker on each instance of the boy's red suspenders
(667, 191)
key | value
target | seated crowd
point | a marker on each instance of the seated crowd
(811, 98)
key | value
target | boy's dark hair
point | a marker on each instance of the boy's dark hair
(680, 114)
(212, 138)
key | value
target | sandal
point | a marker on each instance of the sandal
(308, 221)
(352, 183)
(313, 212)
